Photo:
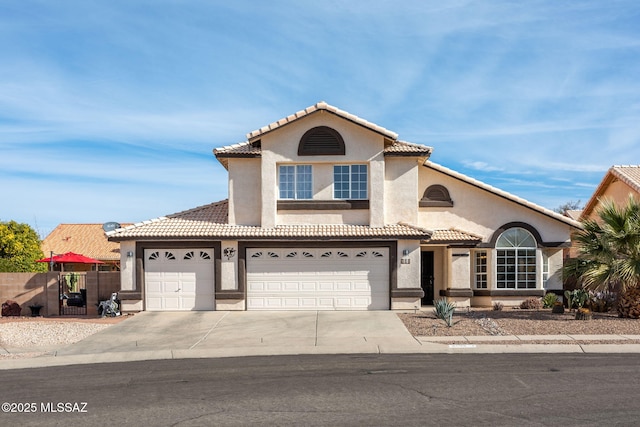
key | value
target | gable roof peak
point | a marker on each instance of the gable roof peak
(629, 174)
(320, 107)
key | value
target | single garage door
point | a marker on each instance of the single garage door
(318, 279)
(179, 279)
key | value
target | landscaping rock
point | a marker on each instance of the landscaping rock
(11, 308)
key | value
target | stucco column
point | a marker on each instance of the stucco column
(459, 290)
(127, 266)
(376, 191)
(408, 265)
(460, 268)
(269, 180)
(229, 265)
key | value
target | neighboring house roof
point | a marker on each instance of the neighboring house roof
(503, 194)
(321, 107)
(573, 214)
(629, 174)
(211, 221)
(84, 239)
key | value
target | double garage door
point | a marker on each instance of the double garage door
(179, 279)
(317, 279)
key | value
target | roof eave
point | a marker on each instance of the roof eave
(505, 195)
(319, 108)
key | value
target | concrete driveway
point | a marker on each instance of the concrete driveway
(239, 333)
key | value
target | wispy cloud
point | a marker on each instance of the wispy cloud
(131, 97)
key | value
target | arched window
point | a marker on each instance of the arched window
(319, 141)
(436, 196)
(516, 259)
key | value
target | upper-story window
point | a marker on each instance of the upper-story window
(295, 182)
(350, 182)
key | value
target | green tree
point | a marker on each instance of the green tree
(19, 248)
(609, 254)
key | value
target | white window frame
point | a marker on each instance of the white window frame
(514, 258)
(481, 269)
(545, 268)
(299, 183)
(353, 190)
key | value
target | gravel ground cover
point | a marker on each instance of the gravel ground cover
(487, 322)
(32, 336)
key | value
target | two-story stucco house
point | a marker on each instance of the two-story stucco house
(327, 211)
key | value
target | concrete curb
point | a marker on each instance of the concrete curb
(423, 345)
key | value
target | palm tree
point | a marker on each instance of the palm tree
(609, 254)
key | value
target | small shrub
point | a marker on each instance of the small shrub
(601, 301)
(531, 304)
(549, 299)
(444, 309)
(498, 306)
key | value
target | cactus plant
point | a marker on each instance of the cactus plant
(444, 309)
(71, 280)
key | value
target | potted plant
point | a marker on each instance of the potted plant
(35, 309)
(583, 313)
(557, 308)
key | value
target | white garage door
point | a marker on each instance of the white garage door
(318, 279)
(179, 279)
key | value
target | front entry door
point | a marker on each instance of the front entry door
(426, 276)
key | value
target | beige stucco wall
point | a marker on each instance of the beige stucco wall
(127, 266)
(229, 267)
(244, 191)
(348, 216)
(408, 275)
(459, 273)
(480, 212)
(401, 189)
(617, 191)
(362, 146)
(556, 261)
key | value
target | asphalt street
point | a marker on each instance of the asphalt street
(355, 389)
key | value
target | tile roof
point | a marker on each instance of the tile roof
(503, 194)
(319, 107)
(629, 174)
(252, 149)
(402, 148)
(573, 214)
(210, 221)
(452, 235)
(86, 239)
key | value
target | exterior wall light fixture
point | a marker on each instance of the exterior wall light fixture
(229, 253)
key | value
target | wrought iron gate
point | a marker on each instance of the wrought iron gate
(72, 289)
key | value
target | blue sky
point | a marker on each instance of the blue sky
(109, 110)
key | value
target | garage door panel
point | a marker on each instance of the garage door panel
(326, 279)
(179, 279)
(256, 286)
(325, 286)
(154, 303)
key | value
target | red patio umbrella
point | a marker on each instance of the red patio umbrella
(70, 257)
